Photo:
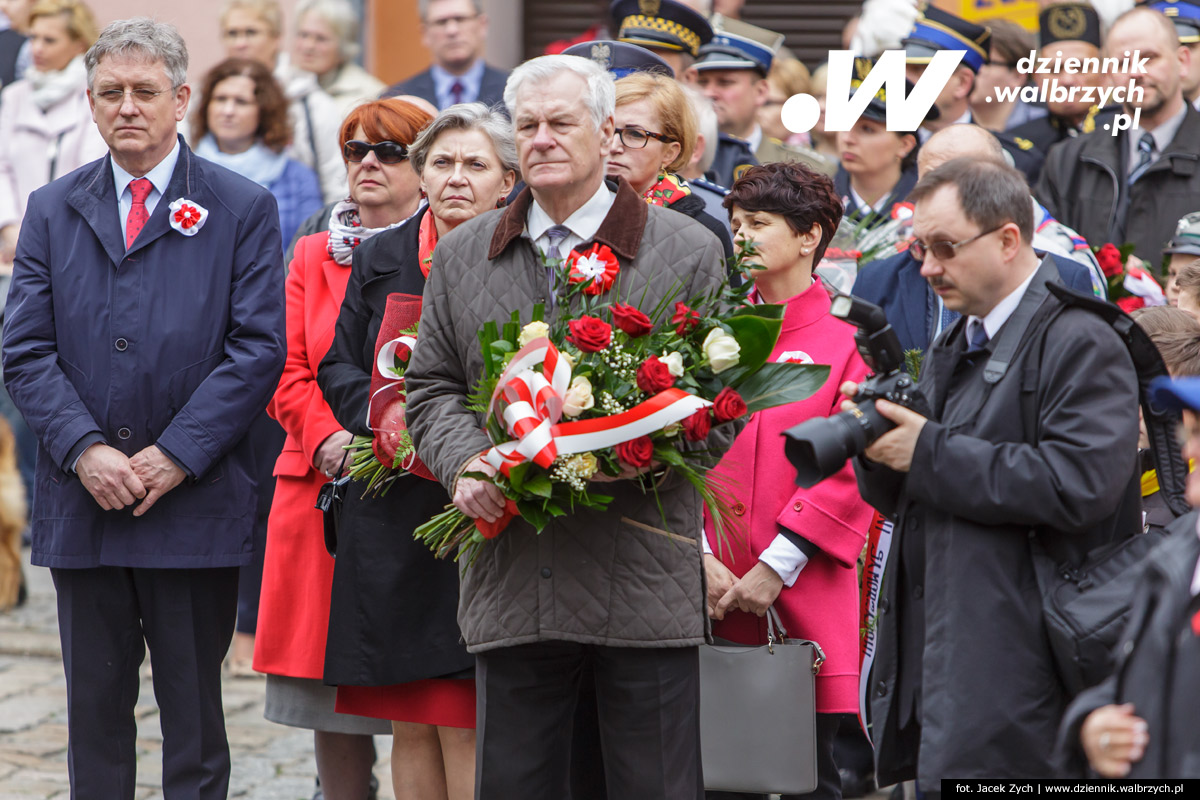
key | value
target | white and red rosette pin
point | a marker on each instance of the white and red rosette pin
(187, 217)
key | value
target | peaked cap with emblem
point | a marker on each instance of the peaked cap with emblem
(1068, 22)
(1187, 236)
(1184, 15)
(877, 108)
(620, 58)
(940, 30)
(665, 24)
(739, 45)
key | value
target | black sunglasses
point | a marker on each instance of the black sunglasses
(386, 152)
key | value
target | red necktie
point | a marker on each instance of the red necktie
(456, 93)
(137, 212)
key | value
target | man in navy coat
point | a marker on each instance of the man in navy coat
(145, 330)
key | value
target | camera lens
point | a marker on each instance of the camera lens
(819, 447)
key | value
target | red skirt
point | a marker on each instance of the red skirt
(449, 703)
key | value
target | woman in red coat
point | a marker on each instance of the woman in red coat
(795, 548)
(298, 573)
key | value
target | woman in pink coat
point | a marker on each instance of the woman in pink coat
(795, 548)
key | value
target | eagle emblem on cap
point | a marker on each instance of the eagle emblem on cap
(1066, 22)
(649, 7)
(601, 54)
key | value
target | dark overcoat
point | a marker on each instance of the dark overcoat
(963, 676)
(178, 342)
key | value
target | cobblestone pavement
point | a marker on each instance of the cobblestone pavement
(270, 762)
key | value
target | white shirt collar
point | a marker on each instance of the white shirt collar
(755, 138)
(583, 224)
(159, 176)
(999, 315)
(1162, 135)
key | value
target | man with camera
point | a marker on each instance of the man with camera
(1026, 430)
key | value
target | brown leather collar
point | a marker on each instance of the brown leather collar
(621, 229)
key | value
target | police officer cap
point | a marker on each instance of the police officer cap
(1074, 22)
(739, 45)
(1187, 236)
(1185, 16)
(620, 58)
(877, 107)
(666, 24)
(939, 30)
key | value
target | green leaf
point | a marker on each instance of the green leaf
(516, 476)
(540, 486)
(764, 310)
(780, 384)
(532, 513)
(503, 346)
(756, 336)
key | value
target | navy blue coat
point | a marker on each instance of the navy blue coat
(179, 342)
(895, 284)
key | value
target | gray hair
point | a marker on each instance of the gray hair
(706, 125)
(342, 17)
(467, 117)
(423, 7)
(601, 97)
(141, 36)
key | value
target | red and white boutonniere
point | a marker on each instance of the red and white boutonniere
(187, 217)
(596, 266)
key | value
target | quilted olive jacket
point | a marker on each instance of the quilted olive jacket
(624, 577)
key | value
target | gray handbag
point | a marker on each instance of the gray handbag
(758, 713)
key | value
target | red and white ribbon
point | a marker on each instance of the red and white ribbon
(535, 408)
(385, 362)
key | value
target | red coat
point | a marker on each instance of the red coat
(293, 613)
(823, 603)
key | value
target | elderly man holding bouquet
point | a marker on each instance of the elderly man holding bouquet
(617, 590)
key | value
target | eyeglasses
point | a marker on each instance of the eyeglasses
(943, 251)
(636, 138)
(446, 22)
(116, 97)
(386, 152)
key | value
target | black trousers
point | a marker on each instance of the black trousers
(829, 783)
(647, 701)
(107, 616)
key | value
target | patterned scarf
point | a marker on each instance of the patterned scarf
(346, 231)
(669, 188)
(427, 238)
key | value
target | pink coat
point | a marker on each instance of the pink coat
(30, 138)
(823, 603)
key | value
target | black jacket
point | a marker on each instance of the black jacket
(841, 185)
(1158, 664)
(963, 675)
(491, 88)
(1085, 185)
(393, 605)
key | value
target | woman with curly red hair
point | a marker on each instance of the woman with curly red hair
(796, 549)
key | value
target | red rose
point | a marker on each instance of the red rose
(636, 453)
(589, 334)
(697, 426)
(1130, 303)
(684, 318)
(631, 320)
(728, 405)
(1110, 260)
(653, 376)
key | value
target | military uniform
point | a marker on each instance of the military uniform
(732, 159)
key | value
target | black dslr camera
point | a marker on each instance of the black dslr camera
(819, 447)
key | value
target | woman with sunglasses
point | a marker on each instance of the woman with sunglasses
(794, 548)
(394, 646)
(242, 124)
(298, 573)
(655, 136)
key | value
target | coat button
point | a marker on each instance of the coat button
(546, 573)
(124, 433)
(881, 688)
(121, 344)
(798, 506)
(884, 605)
(739, 509)
(918, 591)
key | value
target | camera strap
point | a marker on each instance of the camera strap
(1013, 332)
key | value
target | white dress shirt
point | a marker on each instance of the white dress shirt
(159, 177)
(582, 225)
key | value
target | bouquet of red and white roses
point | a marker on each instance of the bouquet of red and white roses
(609, 389)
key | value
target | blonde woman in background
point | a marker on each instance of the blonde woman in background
(325, 43)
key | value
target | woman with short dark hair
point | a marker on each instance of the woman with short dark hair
(794, 548)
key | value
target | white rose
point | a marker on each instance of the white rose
(534, 330)
(721, 350)
(674, 362)
(579, 397)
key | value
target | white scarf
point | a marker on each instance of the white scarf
(346, 231)
(51, 88)
(260, 163)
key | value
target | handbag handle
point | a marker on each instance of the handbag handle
(777, 633)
